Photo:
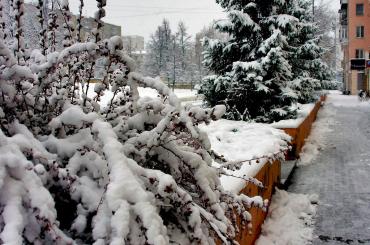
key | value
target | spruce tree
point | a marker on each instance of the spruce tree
(261, 71)
(251, 68)
(310, 72)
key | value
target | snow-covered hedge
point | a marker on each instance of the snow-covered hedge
(246, 148)
(137, 171)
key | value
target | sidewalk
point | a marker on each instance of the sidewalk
(340, 175)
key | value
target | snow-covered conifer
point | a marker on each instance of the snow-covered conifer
(251, 68)
(257, 72)
(310, 72)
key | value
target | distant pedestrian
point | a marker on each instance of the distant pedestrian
(363, 96)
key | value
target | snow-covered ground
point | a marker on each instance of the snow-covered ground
(290, 219)
(240, 141)
(185, 95)
(338, 100)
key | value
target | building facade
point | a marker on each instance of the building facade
(355, 41)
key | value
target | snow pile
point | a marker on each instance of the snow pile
(317, 138)
(290, 219)
(303, 111)
(238, 142)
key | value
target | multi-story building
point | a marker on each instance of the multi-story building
(355, 40)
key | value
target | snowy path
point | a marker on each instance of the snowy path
(340, 174)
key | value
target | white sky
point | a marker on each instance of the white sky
(141, 17)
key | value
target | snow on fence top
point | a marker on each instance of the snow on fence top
(240, 141)
(303, 111)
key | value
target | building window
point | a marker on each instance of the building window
(359, 9)
(360, 54)
(344, 32)
(360, 31)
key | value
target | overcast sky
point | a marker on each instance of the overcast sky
(141, 17)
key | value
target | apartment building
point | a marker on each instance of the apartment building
(355, 41)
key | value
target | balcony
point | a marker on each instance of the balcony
(343, 15)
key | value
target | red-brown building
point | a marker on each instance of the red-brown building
(355, 40)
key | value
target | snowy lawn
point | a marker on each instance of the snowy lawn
(240, 141)
(182, 94)
(290, 219)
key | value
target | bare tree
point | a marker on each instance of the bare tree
(326, 21)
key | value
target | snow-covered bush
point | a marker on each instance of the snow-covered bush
(135, 172)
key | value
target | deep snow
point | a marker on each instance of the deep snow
(239, 141)
(290, 219)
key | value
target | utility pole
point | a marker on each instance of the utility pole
(174, 63)
(335, 48)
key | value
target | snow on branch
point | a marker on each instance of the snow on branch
(74, 172)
